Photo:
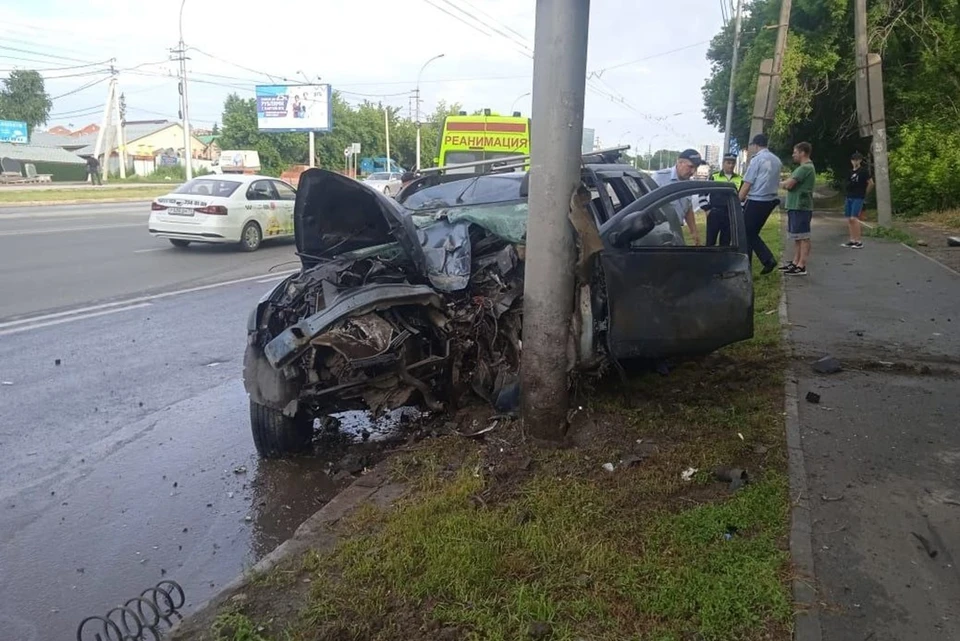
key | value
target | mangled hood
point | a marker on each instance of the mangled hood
(335, 214)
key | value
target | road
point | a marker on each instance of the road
(127, 457)
(54, 258)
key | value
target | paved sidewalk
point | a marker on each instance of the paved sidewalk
(882, 446)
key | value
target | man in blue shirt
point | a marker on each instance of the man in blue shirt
(759, 192)
(686, 167)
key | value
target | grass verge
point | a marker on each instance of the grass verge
(90, 194)
(891, 233)
(501, 539)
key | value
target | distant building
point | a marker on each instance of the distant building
(711, 154)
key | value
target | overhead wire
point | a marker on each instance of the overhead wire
(41, 53)
(80, 88)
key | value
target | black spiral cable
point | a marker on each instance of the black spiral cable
(137, 617)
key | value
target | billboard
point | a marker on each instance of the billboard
(13, 131)
(294, 108)
(586, 146)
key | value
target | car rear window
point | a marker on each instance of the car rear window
(208, 187)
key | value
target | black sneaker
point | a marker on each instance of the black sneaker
(857, 245)
(850, 244)
(796, 271)
(787, 267)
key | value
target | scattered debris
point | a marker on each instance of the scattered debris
(830, 499)
(57, 362)
(608, 467)
(630, 460)
(813, 397)
(886, 363)
(927, 546)
(240, 470)
(951, 502)
(735, 476)
(760, 449)
(827, 365)
(953, 241)
(248, 518)
(229, 495)
(921, 242)
(6, 382)
(731, 532)
(740, 434)
(483, 431)
(687, 474)
(859, 333)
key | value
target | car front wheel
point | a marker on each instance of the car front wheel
(251, 237)
(276, 435)
(176, 242)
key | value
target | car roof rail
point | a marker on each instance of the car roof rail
(603, 156)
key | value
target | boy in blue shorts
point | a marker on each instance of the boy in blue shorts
(800, 208)
(859, 185)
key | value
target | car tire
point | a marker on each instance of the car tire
(251, 237)
(386, 192)
(276, 435)
(176, 242)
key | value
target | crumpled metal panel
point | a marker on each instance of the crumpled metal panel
(358, 337)
(446, 247)
(292, 341)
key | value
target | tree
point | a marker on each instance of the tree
(920, 46)
(216, 130)
(277, 150)
(23, 98)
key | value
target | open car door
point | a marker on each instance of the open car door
(666, 298)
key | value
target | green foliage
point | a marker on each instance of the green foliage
(23, 98)
(363, 124)
(920, 46)
(928, 154)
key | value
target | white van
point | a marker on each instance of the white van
(237, 161)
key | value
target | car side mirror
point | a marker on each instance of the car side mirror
(636, 226)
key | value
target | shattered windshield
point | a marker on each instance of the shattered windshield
(480, 190)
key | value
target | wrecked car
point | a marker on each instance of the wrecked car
(418, 300)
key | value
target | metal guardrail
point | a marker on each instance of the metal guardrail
(137, 618)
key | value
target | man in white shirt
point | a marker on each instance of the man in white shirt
(686, 167)
(759, 191)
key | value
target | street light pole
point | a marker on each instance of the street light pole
(436, 57)
(187, 138)
(517, 99)
(559, 69)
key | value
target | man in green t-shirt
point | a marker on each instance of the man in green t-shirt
(799, 205)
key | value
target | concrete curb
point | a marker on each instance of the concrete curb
(82, 201)
(807, 617)
(314, 533)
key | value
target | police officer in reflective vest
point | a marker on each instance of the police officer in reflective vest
(718, 218)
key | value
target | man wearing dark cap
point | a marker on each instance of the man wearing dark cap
(686, 167)
(759, 191)
(859, 185)
(718, 218)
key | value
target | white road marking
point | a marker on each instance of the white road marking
(274, 278)
(152, 249)
(139, 299)
(63, 230)
(70, 319)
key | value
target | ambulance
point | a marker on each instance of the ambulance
(489, 136)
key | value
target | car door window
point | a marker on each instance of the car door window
(285, 191)
(261, 190)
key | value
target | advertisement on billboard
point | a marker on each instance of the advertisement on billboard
(13, 131)
(294, 108)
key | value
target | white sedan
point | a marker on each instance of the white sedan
(387, 184)
(240, 209)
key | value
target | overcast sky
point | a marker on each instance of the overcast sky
(369, 48)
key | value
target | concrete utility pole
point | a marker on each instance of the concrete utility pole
(559, 83)
(871, 113)
(417, 92)
(728, 123)
(181, 52)
(768, 80)
(98, 148)
(121, 149)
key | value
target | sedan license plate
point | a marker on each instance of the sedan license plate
(180, 211)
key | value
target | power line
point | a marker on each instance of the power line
(599, 72)
(80, 88)
(491, 26)
(271, 76)
(45, 55)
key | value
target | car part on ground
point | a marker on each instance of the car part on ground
(421, 300)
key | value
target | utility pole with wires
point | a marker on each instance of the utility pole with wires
(870, 111)
(180, 55)
(728, 123)
(768, 80)
(121, 113)
(111, 130)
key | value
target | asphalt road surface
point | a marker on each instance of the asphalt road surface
(127, 456)
(54, 258)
